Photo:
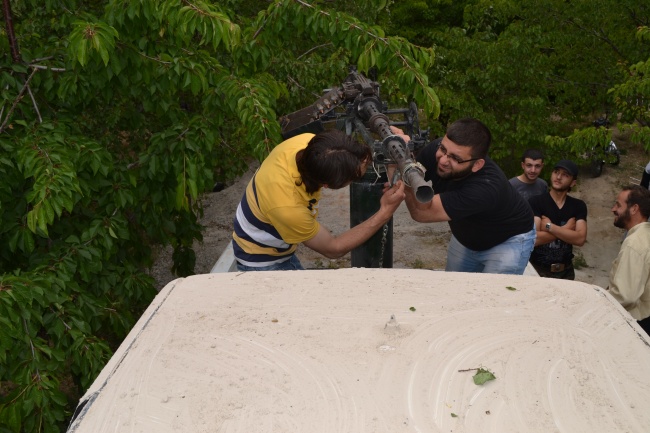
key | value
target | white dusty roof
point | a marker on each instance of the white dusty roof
(311, 351)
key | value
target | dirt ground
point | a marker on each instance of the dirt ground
(417, 245)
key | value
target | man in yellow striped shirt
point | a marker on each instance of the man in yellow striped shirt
(280, 205)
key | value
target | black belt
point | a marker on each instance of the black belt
(554, 267)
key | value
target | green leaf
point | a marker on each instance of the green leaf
(17, 67)
(28, 406)
(55, 202)
(13, 240)
(11, 415)
(196, 85)
(81, 52)
(48, 211)
(194, 192)
(59, 398)
(67, 202)
(84, 253)
(72, 239)
(27, 241)
(103, 52)
(32, 219)
(482, 376)
(180, 194)
(42, 220)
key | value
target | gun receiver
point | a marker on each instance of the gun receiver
(365, 113)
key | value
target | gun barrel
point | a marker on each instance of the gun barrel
(412, 172)
(423, 190)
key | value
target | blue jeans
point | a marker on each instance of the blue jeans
(293, 264)
(509, 257)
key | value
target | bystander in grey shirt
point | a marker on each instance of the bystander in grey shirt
(528, 190)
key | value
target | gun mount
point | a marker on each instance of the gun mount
(356, 106)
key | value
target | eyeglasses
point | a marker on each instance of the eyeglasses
(454, 158)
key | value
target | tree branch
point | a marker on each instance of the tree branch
(18, 98)
(31, 95)
(313, 49)
(11, 35)
(599, 34)
(47, 68)
(31, 343)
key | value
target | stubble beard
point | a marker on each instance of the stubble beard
(561, 189)
(454, 175)
(621, 220)
(532, 178)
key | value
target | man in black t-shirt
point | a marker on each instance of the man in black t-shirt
(561, 222)
(491, 224)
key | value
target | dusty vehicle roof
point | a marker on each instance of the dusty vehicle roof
(370, 350)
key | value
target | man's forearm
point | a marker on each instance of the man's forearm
(570, 236)
(355, 236)
(429, 212)
(335, 247)
(543, 238)
(413, 205)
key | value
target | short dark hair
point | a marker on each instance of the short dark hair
(471, 133)
(639, 195)
(533, 154)
(331, 158)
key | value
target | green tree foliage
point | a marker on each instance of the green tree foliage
(114, 117)
(537, 72)
(632, 95)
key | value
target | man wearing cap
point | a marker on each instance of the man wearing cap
(561, 222)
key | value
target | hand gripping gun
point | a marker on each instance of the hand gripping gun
(357, 107)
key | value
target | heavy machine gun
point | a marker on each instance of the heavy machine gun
(356, 107)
